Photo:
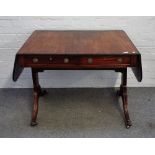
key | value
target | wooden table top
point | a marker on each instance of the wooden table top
(78, 42)
(78, 49)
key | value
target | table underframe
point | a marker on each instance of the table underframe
(38, 92)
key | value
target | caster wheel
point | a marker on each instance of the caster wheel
(128, 124)
(34, 123)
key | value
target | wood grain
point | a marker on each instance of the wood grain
(107, 50)
(110, 49)
(78, 42)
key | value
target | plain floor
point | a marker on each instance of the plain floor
(77, 113)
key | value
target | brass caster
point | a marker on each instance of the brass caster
(34, 123)
(128, 124)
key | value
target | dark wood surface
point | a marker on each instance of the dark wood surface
(107, 50)
(78, 42)
(78, 50)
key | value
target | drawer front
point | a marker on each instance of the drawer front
(77, 60)
(106, 60)
(51, 60)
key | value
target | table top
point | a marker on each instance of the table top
(73, 42)
(78, 49)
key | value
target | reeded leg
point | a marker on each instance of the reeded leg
(37, 91)
(125, 107)
(123, 94)
(35, 109)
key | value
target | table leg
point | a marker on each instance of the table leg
(37, 91)
(123, 94)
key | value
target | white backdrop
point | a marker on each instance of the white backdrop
(15, 30)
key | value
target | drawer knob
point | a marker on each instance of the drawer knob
(66, 60)
(50, 59)
(119, 60)
(35, 60)
(90, 60)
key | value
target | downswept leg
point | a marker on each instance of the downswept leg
(37, 91)
(123, 94)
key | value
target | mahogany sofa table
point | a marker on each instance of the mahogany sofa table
(78, 50)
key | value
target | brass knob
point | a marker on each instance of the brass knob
(35, 60)
(66, 60)
(50, 59)
(90, 60)
(119, 60)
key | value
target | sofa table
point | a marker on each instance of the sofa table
(78, 50)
